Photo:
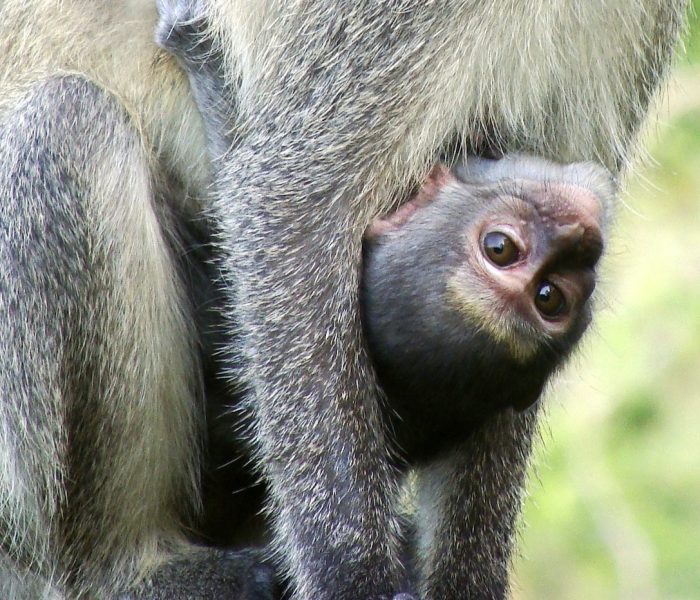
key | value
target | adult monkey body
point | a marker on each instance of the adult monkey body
(343, 107)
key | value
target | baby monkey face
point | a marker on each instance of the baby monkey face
(529, 261)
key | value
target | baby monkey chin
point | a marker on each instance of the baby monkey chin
(478, 288)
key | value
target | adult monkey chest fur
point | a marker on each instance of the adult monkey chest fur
(343, 107)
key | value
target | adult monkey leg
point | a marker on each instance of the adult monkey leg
(343, 107)
(100, 448)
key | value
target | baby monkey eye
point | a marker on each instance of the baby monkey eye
(549, 300)
(500, 249)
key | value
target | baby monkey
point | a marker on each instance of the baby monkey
(474, 291)
(477, 289)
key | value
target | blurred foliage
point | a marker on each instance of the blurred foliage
(614, 511)
(693, 38)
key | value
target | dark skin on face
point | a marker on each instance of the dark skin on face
(476, 290)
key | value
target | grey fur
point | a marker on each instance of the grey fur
(343, 105)
(211, 575)
(101, 399)
(78, 370)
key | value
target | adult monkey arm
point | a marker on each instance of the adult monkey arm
(343, 107)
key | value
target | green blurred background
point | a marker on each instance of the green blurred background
(614, 510)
